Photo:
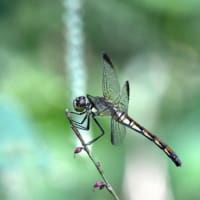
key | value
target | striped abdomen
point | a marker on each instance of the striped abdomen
(123, 118)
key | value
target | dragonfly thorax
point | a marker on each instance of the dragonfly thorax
(99, 105)
(80, 103)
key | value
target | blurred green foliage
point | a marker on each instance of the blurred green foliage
(33, 87)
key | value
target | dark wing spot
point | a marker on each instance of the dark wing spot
(127, 89)
(107, 59)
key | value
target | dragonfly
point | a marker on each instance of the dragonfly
(113, 103)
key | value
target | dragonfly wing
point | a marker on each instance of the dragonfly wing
(111, 87)
(118, 132)
(124, 97)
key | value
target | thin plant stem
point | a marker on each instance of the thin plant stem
(96, 164)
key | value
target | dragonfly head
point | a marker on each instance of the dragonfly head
(79, 104)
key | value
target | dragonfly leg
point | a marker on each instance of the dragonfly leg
(102, 131)
(79, 124)
(75, 113)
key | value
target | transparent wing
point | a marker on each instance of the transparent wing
(124, 97)
(118, 132)
(111, 87)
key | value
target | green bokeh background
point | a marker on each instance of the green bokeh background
(154, 44)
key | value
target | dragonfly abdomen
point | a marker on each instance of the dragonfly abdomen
(123, 118)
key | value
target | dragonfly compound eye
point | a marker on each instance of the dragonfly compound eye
(79, 104)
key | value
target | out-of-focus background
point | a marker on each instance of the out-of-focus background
(50, 53)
